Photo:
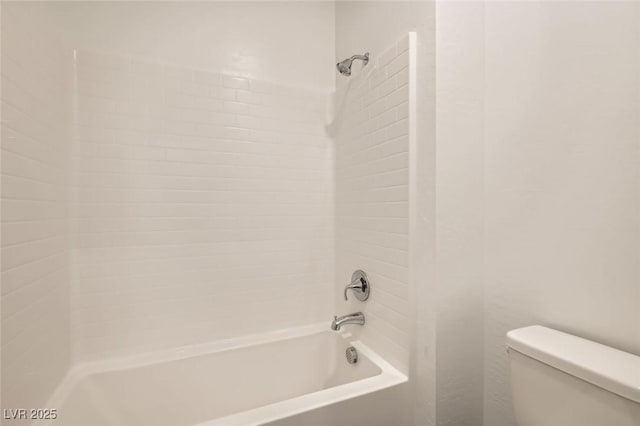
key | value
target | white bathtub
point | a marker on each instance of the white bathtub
(245, 381)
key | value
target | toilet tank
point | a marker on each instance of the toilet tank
(558, 379)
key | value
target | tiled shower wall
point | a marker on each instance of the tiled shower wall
(35, 256)
(203, 207)
(372, 204)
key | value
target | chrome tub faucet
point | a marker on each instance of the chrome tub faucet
(355, 318)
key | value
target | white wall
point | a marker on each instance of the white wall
(196, 196)
(370, 26)
(372, 199)
(562, 206)
(290, 43)
(537, 110)
(204, 207)
(35, 237)
(459, 211)
(537, 187)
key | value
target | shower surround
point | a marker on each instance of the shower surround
(200, 197)
(373, 131)
(203, 211)
(171, 206)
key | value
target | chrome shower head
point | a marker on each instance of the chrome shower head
(344, 67)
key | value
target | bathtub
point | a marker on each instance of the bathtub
(251, 380)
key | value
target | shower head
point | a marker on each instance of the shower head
(344, 67)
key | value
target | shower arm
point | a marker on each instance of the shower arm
(364, 58)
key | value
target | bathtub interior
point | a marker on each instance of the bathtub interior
(194, 389)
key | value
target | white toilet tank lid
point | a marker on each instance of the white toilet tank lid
(611, 369)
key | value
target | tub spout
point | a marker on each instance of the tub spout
(355, 318)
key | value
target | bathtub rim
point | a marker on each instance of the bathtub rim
(389, 375)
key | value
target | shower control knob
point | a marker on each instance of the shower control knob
(360, 286)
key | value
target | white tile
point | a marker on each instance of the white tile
(235, 82)
(236, 108)
(35, 234)
(217, 191)
(372, 193)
